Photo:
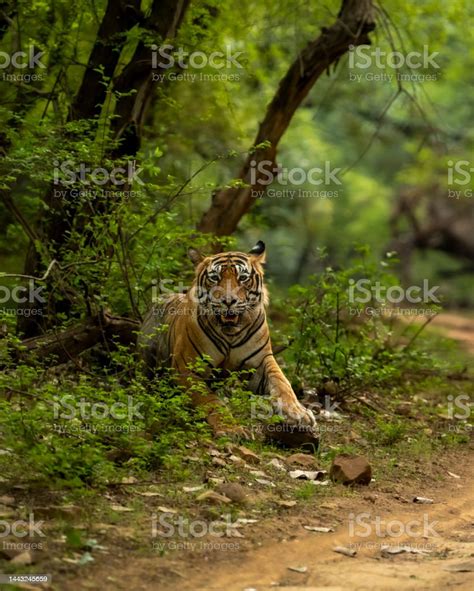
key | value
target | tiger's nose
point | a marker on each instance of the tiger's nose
(230, 300)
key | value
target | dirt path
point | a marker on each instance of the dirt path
(268, 566)
(457, 327)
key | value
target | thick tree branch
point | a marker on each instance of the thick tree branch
(71, 342)
(354, 23)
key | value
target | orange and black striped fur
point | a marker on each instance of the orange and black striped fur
(221, 317)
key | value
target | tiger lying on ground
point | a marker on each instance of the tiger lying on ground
(223, 317)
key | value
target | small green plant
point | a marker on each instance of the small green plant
(390, 433)
(306, 491)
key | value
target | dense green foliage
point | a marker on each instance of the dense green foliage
(196, 135)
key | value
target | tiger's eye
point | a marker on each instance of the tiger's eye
(214, 277)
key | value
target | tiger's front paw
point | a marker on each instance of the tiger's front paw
(294, 412)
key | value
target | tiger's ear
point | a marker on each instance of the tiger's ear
(258, 252)
(195, 256)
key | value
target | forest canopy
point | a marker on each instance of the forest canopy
(171, 95)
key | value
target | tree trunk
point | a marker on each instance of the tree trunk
(8, 11)
(120, 16)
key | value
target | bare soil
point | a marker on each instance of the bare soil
(266, 565)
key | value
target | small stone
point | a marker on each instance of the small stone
(275, 463)
(258, 473)
(286, 504)
(423, 501)
(219, 462)
(7, 500)
(346, 551)
(244, 521)
(121, 509)
(24, 558)
(211, 496)
(391, 550)
(247, 454)
(190, 489)
(461, 567)
(318, 529)
(149, 493)
(348, 469)
(298, 569)
(308, 475)
(215, 480)
(234, 491)
(265, 482)
(330, 506)
(129, 480)
(371, 498)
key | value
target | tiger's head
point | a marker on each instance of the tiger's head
(229, 286)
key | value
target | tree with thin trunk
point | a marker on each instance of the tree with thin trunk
(134, 90)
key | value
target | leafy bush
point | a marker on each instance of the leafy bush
(335, 339)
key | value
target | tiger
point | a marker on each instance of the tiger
(221, 319)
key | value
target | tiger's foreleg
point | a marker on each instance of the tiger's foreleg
(270, 381)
